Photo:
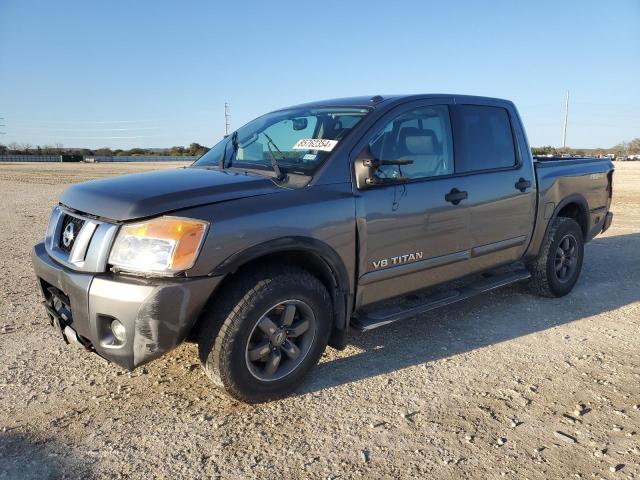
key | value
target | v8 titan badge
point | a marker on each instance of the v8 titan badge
(315, 144)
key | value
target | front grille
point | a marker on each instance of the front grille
(68, 234)
(87, 251)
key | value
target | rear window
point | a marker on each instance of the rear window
(483, 138)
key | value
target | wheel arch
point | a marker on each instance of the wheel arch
(313, 255)
(573, 206)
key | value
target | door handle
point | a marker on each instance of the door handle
(455, 196)
(522, 184)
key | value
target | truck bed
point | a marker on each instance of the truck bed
(584, 183)
(567, 160)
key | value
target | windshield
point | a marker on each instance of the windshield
(294, 141)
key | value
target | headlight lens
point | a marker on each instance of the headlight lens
(164, 245)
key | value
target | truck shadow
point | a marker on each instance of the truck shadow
(609, 281)
(24, 458)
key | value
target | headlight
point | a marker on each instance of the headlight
(165, 245)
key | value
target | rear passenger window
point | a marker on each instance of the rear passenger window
(482, 138)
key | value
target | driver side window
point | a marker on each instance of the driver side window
(421, 136)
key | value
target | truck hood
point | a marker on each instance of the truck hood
(147, 194)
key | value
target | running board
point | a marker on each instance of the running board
(368, 320)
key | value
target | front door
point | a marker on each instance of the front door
(414, 234)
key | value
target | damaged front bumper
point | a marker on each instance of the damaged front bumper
(157, 314)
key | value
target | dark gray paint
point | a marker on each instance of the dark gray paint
(394, 220)
(327, 216)
(148, 194)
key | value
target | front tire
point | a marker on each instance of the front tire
(556, 269)
(267, 331)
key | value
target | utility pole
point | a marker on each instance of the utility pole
(226, 119)
(566, 114)
(2, 125)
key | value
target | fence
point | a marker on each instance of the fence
(134, 158)
(30, 158)
(97, 158)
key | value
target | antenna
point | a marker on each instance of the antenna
(566, 115)
(226, 119)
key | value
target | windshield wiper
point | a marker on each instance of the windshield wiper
(274, 160)
(234, 140)
(234, 143)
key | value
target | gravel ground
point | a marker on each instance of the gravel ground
(503, 385)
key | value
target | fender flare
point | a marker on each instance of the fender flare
(536, 243)
(584, 210)
(342, 294)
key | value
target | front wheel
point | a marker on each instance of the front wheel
(269, 330)
(556, 269)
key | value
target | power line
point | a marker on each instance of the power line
(55, 129)
(566, 115)
(171, 119)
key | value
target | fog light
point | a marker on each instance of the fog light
(118, 331)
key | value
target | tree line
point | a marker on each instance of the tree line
(194, 149)
(625, 148)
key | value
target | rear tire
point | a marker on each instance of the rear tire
(267, 330)
(556, 269)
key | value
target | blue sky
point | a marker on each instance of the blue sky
(155, 73)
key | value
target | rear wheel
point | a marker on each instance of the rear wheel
(269, 329)
(558, 266)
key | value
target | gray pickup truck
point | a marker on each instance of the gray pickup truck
(312, 220)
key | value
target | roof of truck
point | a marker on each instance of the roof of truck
(377, 100)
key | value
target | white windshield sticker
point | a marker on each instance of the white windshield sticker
(310, 156)
(315, 144)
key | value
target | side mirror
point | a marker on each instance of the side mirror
(300, 123)
(365, 170)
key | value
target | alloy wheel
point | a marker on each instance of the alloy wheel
(566, 258)
(280, 340)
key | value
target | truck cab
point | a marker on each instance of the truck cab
(459, 213)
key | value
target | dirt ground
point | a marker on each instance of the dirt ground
(503, 385)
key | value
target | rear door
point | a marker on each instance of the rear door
(491, 152)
